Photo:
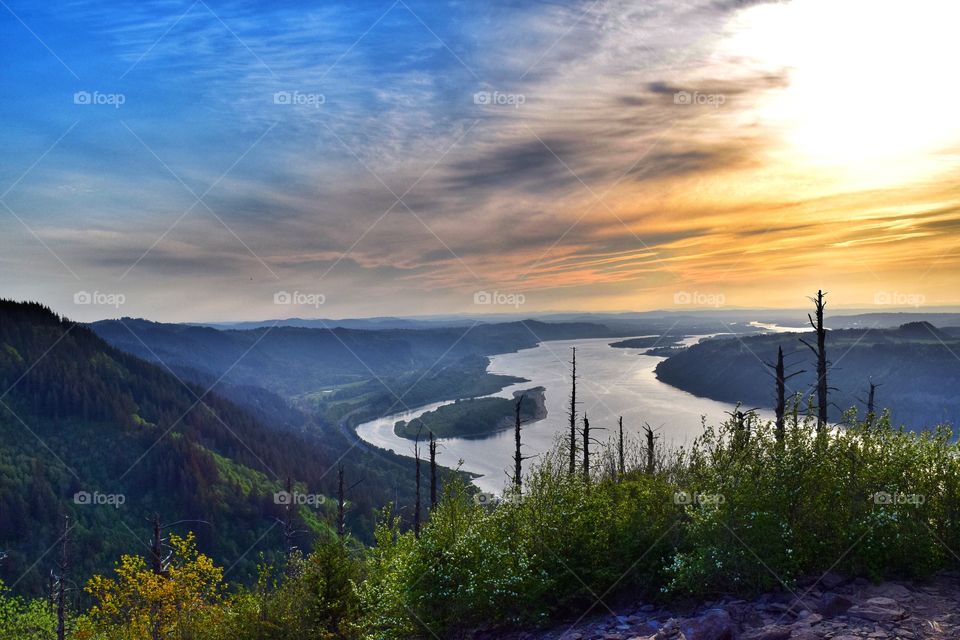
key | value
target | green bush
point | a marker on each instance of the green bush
(25, 619)
(737, 512)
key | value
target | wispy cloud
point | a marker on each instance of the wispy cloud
(594, 154)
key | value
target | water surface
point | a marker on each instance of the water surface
(611, 382)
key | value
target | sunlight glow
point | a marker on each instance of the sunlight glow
(873, 86)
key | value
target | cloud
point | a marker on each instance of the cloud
(597, 176)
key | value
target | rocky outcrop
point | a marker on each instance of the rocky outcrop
(829, 607)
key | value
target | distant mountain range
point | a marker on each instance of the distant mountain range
(692, 320)
(297, 360)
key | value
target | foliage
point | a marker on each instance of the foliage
(25, 619)
(737, 512)
(139, 602)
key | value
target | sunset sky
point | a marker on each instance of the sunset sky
(395, 158)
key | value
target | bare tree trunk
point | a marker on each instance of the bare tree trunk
(871, 400)
(416, 506)
(622, 468)
(586, 449)
(517, 456)
(821, 352)
(156, 550)
(62, 581)
(341, 520)
(433, 472)
(573, 413)
(650, 449)
(288, 518)
(156, 564)
(781, 409)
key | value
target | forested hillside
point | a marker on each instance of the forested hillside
(296, 360)
(914, 367)
(78, 416)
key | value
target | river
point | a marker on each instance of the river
(612, 382)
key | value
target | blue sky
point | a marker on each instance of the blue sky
(236, 149)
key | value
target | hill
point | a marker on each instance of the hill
(342, 374)
(92, 432)
(915, 366)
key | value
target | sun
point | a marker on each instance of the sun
(872, 87)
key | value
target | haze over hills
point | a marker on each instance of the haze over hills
(690, 320)
(78, 415)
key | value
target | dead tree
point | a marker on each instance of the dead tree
(156, 547)
(622, 467)
(573, 413)
(871, 401)
(60, 584)
(820, 351)
(156, 565)
(288, 526)
(586, 448)
(650, 449)
(341, 500)
(433, 472)
(416, 505)
(779, 373)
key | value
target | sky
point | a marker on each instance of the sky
(234, 160)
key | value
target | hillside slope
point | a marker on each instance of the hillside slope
(80, 417)
(915, 366)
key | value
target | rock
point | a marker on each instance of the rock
(773, 632)
(890, 590)
(808, 620)
(878, 609)
(670, 631)
(881, 601)
(831, 580)
(833, 604)
(715, 624)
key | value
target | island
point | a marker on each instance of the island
(663, 346)
(475, 417)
